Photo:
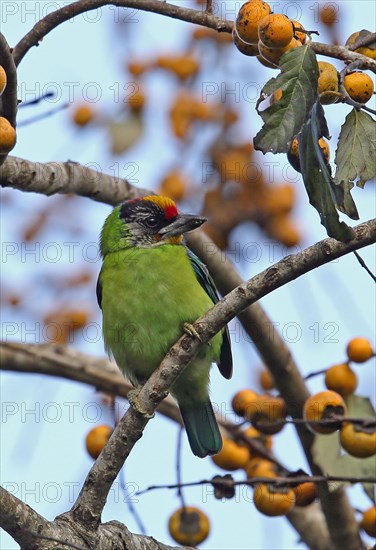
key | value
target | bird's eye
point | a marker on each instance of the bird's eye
(151, 222)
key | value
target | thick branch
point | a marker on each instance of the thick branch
(58, 360)
(56, 18)
(33, 532)
(343, 53)
(92, 498)
(204, 18)
(19, 520)
(66, 177)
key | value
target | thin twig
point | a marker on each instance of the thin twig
(363, 264)
(314, 373)
(42, 116)
(47, 95)
(279, 480)
(131, 508)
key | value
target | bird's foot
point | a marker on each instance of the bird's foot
(191, 331)
(134, 401)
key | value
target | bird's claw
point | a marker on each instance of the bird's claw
(134, 401)
(191, 331)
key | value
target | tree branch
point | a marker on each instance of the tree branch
(19, 520)
(66, 177)
(92, 497)
(204, 18)
(56, 18)
(343, 53)
(59, 360)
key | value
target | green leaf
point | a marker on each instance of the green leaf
(356, 151)
(284, 118)
(125, 133)
(317, 176)
(328, 455)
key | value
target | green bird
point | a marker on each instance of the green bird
(151, 288)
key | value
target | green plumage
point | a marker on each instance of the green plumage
(146, 295)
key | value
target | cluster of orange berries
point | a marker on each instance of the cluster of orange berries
(341, 381)
(251, 198)
(325, 412)
(266, 35)
(183, 66)
(267, 413)
(357, 84)
(8, 136)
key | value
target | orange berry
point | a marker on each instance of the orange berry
(244, 401)
(97, 438)
(305, 493)
(358, 441)
(293, 154)
(8, 136)
(137, 68)
(359, 350)
(184, 66)
(249, 16)
(275, 30)
(3, 79)
(369, 51)
(82, 115)
(282, 228)
(137, 100)
(265, 440)
(173, 185)
(327, 83)
(322, 406)
(266, 380)
(232, 456)
(273, 501)
(189, 526)
(277, 95)
(261, 467)
(273, 55)
(243, 47)
(265, 62)
(368, 522)
(359, 86)
(342, 379)
(270, 410)
(329, 14)
(299, 34)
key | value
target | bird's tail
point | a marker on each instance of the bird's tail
(202, 429)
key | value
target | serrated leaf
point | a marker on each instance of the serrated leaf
(327, 453)
(284, 118)
(356, 151)
(317, 176)
(125, 133)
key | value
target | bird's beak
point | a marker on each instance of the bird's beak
(182, 224)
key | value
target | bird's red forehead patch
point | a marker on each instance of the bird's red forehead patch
(167, 205)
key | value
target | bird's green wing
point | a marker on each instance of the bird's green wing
(207, 283)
